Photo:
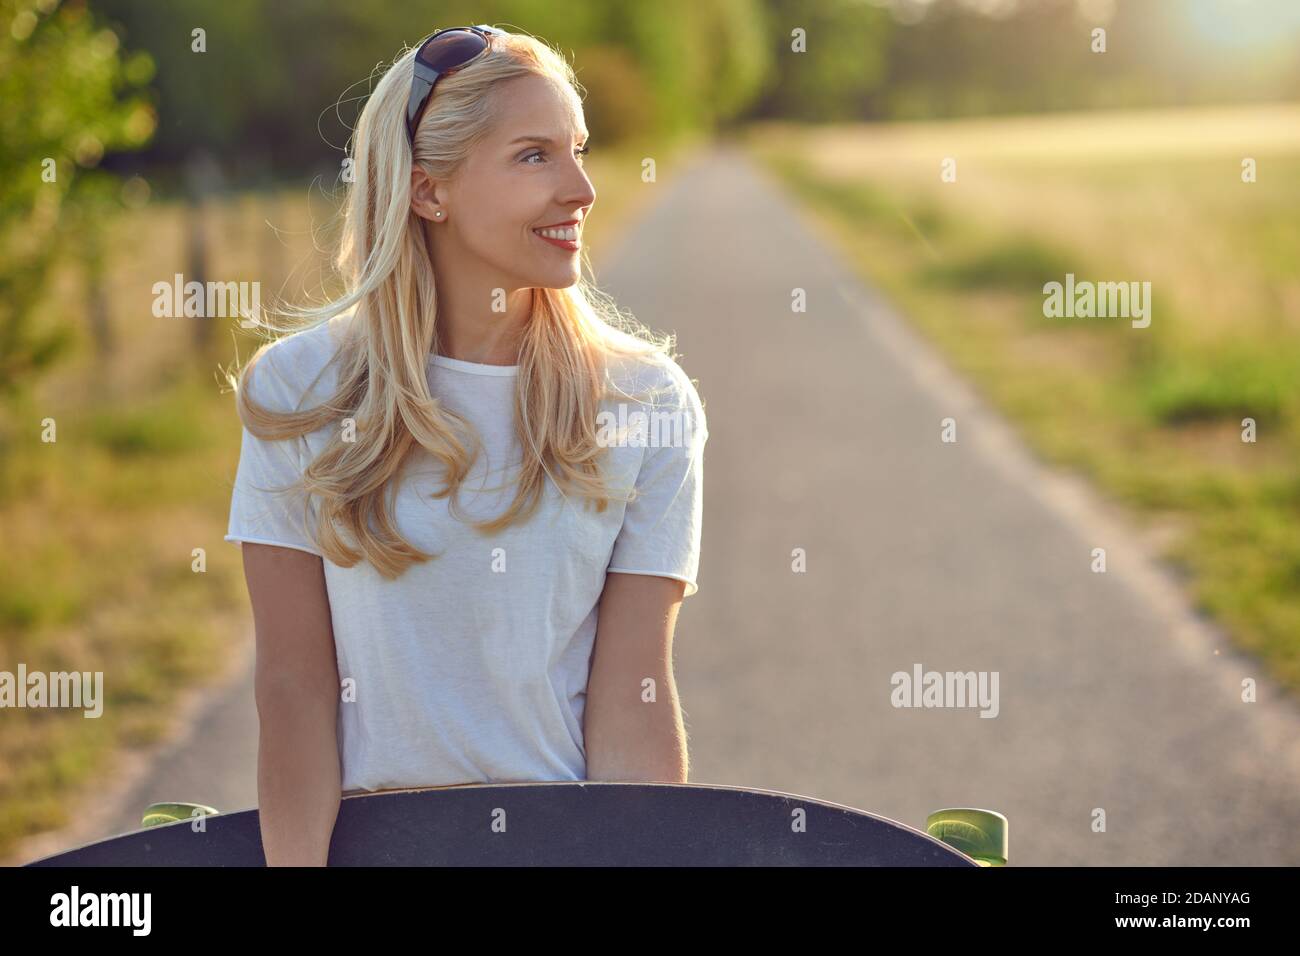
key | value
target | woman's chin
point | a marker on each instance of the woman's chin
(557, 278)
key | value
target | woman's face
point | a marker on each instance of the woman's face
(526, 175)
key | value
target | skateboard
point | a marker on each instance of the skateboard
(582, 823)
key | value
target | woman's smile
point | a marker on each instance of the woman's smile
(566, 237)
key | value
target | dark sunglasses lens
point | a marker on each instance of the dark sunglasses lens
(451, 49)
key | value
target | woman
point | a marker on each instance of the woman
(440, 469)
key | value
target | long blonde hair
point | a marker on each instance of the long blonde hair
(389, 283)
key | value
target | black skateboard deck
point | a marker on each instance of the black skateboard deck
(554, 824)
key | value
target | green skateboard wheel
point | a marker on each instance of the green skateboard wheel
(159, 813)
(980, 834)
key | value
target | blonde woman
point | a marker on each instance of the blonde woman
(469, 493)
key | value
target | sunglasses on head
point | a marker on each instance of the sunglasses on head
(444, 52)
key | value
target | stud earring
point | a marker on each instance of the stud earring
(438, 214)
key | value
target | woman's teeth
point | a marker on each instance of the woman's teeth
(566, 232)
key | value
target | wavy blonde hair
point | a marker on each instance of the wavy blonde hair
(388, 280)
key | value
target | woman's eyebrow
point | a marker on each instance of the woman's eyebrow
(545, 140)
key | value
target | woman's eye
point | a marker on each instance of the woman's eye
(577, 152)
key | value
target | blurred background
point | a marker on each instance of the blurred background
(958, 154)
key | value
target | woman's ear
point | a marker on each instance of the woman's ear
(424, 196)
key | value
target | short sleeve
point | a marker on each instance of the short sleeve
(662, 526)
(262, 510)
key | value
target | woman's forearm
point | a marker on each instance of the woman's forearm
(298, 777)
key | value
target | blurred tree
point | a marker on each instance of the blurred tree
(69, 96)
(618, 102)
(737, 53)
(843, 62)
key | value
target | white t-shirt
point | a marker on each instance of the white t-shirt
(472, 667)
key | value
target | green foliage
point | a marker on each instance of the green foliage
(69, 97)
(843, 63)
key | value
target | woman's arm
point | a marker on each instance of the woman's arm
(632, 724)
(297, 690)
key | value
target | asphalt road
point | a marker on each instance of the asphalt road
(968, 556)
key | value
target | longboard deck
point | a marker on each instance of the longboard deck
(554, 824)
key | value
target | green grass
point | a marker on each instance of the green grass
(1232, 383)
(1021, 264)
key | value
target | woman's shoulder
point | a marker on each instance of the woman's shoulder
(298, 370)
(657, 381)
(649, 370)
